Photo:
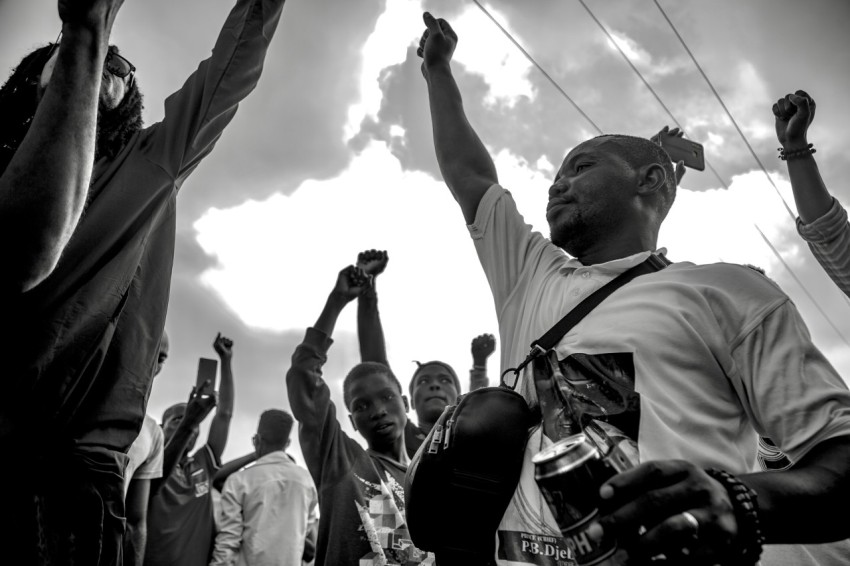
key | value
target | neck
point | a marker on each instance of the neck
(625, 244)
(426, 425)
(396, 451)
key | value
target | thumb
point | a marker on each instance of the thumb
(431, 23)
(680, 171)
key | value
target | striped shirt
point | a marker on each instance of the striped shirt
(829, 239)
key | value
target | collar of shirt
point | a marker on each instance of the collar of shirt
(276, 457)
(615, 266)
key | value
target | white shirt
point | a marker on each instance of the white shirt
(266, 511)
(720, 355)
(145, 454)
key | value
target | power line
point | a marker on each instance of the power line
(675, 121)
(648, 86)
(539, 68)
(725, 109)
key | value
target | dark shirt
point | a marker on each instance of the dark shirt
(181, 527)
(361, 493)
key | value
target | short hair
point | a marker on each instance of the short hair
(444, 365)
(275, 427)
(638, 152)
(361, 370)
(171, 410)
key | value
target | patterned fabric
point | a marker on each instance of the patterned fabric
(829, 239)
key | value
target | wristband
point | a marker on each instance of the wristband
(793, 154)
(748, 542)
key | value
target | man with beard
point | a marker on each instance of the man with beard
(88, 223)
(690, 363)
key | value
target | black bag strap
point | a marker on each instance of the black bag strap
(655, 262)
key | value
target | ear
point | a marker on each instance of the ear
(406, 403)
(651, 179)
(351, 419)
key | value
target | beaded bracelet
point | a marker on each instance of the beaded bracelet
(745, 505)
(786, 155)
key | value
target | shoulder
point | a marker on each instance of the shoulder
(727, 278)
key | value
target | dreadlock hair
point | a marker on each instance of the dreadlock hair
(361, 370)
(19, 101)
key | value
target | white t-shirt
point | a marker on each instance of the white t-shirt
(716, 355)
(145, 454)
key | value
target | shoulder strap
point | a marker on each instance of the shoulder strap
(548, 341)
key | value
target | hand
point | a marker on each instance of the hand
(794, 114)
(373, 262)
(437, 44)
(91, 14)
(223, 346)
(351, 282)
(653, 496)
(201, 402)
(483, 347)
(680, 165)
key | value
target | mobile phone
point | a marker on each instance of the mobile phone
(680, 149)
(207, 370)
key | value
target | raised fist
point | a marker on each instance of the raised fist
(437, 44)
(483, 347)
(794, 114)
(373, 262)
(223, 346)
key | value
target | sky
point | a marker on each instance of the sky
(332, 154)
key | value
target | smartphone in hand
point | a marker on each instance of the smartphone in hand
(680, 149)
(207, 370)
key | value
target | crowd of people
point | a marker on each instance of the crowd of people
(706, 372)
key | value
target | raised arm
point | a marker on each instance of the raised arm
(45, 184)
(794, 114)
(200, 404)
(196, 115)
(483, 347)
(370, 331)
(220, 426)
(467, 167)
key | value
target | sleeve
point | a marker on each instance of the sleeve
(504, 242)
(228, 541)
(196, 115)
(829, 239)
(791, 392)
(478, 378)
(152, 467)
(327, 449)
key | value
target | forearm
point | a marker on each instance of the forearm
(478, 376)
(220, 425)
(137, 539)
(465, 163)
(330, 313)
(810, 193)
(370, 331)
(799, 505)
(44, 187)
(175, 448)
(230, 467)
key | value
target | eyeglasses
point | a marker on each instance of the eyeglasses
(119, 66)
(114, 63)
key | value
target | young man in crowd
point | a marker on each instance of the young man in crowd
(268, 509)
(361, 492)
(181, 526)
(144, 464)
(434, 384)
(705, 358)
(83, 315)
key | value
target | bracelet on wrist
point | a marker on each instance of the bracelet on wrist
(749, 540)
(795, 153)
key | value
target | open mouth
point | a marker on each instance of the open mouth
(383, 427)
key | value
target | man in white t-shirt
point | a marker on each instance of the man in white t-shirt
(144, 464)
(690, 363)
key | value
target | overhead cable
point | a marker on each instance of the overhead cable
(539, 68)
